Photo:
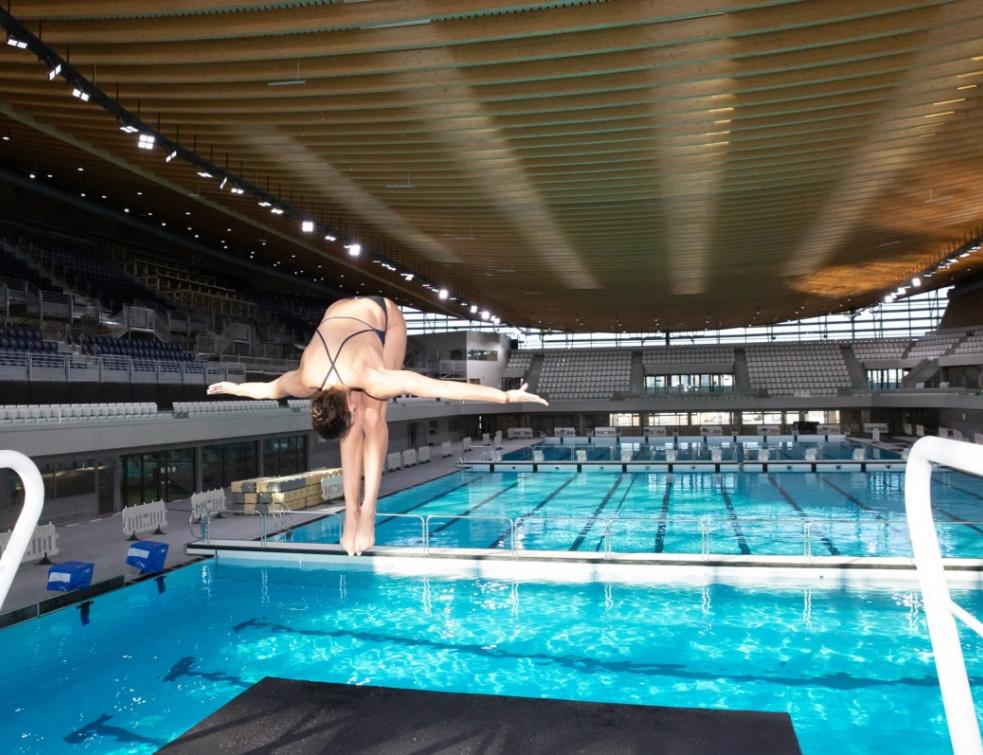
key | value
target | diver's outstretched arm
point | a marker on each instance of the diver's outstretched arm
(389, 383)
(288, 384)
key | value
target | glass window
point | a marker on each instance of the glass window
(712, 418)
(752, 418)
(623, 419)
(668, 419)
(772, 418)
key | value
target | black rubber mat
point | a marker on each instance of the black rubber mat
(297, 718)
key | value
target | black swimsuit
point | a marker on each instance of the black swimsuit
(368, 329)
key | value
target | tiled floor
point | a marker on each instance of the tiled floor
(103, 543)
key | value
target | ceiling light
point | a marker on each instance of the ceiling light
(126, 128)
(353, 249)
(329, 237)
(14, 42)
(264, 204)
(276, 210)
(146, 141)
(442, 294)
(474, 308)
(485, 314)
(80, 94)
(307, 226)
(916, 281)
(237, 190)
(171, 155)
(53, 72)
(225, 180)
(408, 277)
(496, 320)
(31, 176)
(204, 174)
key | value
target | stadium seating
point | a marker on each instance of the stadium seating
(882, 349)
(25, 339)
(13, 414)
(199, 408)
(712, 358)
(934, 345)
(797, 369)
(585, 373)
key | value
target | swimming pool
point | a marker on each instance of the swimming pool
(733, 513)
(853, 668)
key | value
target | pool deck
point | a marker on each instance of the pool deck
(304, 718)
(102, 542)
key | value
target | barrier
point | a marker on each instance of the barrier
(409, 457)
(713, 430)
(498, 439)
(828, 429)
(445, 449)
(537, 455)
(581, 454)
(920, 431)
(465, 444)
(333, 487)
(605, 432)
(764, 454)
(907, 428)
(394, 461)
(978, 438)
(810, 454)
(496, 456)
(657, 431)
(716, 455)
(627, 453)
(769, 429)
(423, 454)
(519, 432)
(943, 432)
(43, 543)
(564, 432)
(146, 517)
(671, 455)
(486, 439)
(208, 503)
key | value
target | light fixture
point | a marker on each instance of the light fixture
(204, 174)
(237, 190)
(485, 314)
(170, 156)
(916, 281)
(474, 308)
(276, 210)
(329, 237)
(80, 94)
(146, 141)
(307, 226)
(31, 176)
(496, 320)
(225, 180)
(442, 294)
(408, 277)
(126, 128)
(53, 72)
(14, 42)
(353, 249)
(264, 204)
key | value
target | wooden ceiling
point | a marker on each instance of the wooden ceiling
(622, 165)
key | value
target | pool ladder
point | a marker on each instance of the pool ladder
(940, 610)
(20, 538)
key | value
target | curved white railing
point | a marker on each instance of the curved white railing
(940, 610)
(26, 522)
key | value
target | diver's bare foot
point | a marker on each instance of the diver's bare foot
(365, 536)
(348, 534)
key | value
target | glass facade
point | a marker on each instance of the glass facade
(906, 318)
(624, 419)
(885, 380)
(158, 476)
(221, 465)
(284, 456)
(692, 383)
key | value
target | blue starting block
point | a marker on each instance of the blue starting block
(147, 555)
(70, 575)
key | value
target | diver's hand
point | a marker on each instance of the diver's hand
(224, 387)
(520, 396)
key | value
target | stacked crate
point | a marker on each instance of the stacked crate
(291, 492)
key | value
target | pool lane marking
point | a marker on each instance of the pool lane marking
(474, 508)
(600, 540)
(433, 498)
(856, 501)
(597, 512)
(501, 538)
(660, 534)
(833, 550)
(742, 545)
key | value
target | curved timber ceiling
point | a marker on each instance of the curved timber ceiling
(621, 165)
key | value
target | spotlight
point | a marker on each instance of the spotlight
(307, 226)
(474, 308)
(329, 237)
(263, 204)
(53, 72)
(170, 156)
(485, 314)
(442, 294)
(916, 281)
(126, 128)
(276, 210)
(204, 174)
(14, 42)
(353, 249)
(225, 180)
(146, 141)
(80, 94)
(408, 276)
(237, 190)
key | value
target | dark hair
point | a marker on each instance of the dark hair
(330, 415)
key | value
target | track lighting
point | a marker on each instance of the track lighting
(204, 174)
(80, 94)
(171, 155)
(14, 42)
(54, 71)
(146, 141)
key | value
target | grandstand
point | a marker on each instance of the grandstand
(580, 374)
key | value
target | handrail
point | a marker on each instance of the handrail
(940, 610)
(26, 522)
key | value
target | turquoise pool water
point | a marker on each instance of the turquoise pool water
(830, 513)
(853, 669)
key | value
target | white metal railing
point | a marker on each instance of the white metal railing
(26, 522)
(940, 610)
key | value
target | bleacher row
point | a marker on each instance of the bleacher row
(14, 414)
(198, 408)
(814, 367)
(584, 373)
